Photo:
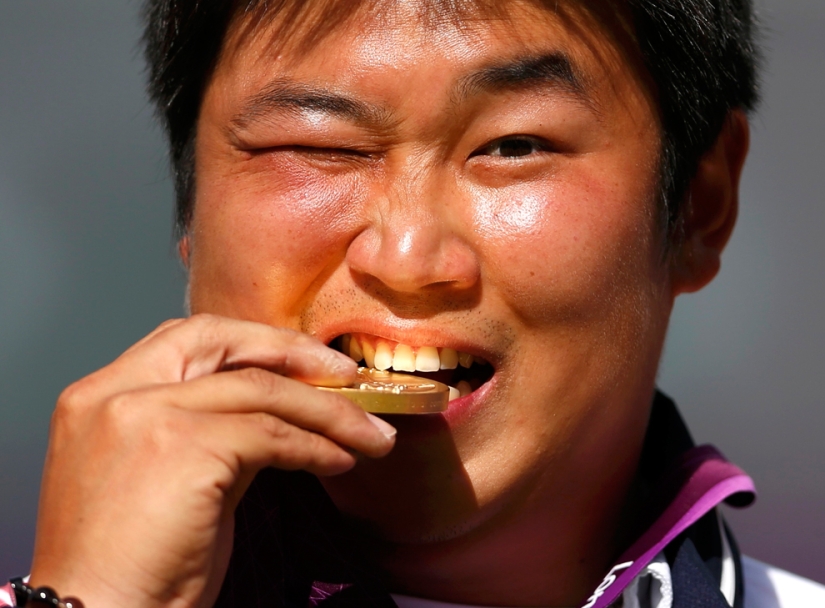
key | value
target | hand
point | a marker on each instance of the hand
(149, 456)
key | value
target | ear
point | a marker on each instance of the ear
(711, 207)
(184, 250)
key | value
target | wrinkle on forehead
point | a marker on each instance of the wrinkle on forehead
(293, 28)
(316, 18)
(299, 25)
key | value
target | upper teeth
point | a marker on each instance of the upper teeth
(384, 355)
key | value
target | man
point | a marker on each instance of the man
(525, 186)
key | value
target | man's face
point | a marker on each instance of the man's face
(486, 188)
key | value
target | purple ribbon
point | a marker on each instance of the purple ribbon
(708, 480)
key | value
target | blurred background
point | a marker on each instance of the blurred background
(87, 264)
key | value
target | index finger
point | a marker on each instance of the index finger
(206, 344)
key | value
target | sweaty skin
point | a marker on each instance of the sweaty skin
(404, 221)
(487, 187)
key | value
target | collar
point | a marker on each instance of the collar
(681, 519)
(291, 547)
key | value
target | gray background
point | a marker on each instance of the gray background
(87, 263)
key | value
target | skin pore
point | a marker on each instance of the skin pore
(488, 187)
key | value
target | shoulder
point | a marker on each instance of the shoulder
(769, 587)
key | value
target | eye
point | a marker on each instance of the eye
(513, 146)
(314, 151)
(322, 158)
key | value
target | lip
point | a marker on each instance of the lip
(415, 335)
(459, 410)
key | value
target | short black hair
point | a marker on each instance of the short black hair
(701, 55)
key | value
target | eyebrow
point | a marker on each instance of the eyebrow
(553, 70)
(291, 97)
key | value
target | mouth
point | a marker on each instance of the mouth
(463, 372)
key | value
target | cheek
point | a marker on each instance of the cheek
(515, 216)
(262, 237)
(561, 250)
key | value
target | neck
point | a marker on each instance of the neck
(550, 550)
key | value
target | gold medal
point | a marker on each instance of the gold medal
(383, 392)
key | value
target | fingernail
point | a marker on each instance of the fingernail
(385, 427)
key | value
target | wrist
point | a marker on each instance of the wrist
(78, 579)
(27, 596)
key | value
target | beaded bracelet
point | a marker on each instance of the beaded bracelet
(28, 597)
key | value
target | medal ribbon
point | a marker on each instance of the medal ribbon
(709, 479)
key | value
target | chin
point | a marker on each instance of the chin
(419, 493)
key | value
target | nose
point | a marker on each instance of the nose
(417, 240)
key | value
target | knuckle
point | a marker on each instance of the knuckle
(263, 380)
(77, 398)
(131, 414)
(325, 450)
(206, 318)
(203, 325)
(130, 418)
(120, 409)
(169, 323)
(311, 450)
(314, 443)
(70, 404)
(274, 427)
(201, 329)
(73, 397)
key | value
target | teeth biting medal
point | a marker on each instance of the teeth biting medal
(384, 392)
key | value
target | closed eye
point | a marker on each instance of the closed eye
(312, 151)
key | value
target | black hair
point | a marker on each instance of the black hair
(701, 55)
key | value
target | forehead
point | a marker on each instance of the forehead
(316, 18)
(297, 29)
